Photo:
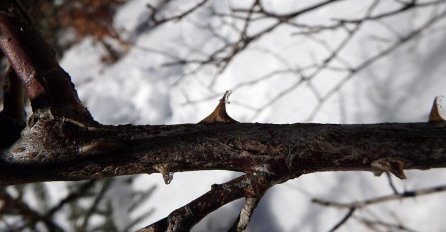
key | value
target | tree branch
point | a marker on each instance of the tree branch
(344, 219)
(392, 197)
(63, 142)
(187, 216)
(59, 148)
(46, 83)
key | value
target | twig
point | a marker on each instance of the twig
(244, 217)
(180, 16)
(390, 226)
(75, 195)
(344, 219)
(187, 216)
(392, 186)
(402, 195)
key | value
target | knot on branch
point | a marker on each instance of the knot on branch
(392, 165)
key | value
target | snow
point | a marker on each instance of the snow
(139, 90)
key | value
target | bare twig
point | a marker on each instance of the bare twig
(344, 219)
(178, 17)
(187, 216)
(30, 215)
(72, 196)
(399, 43)
(401, 195)
(392, 186)
(243, 219)
(375, 224)
(93, 208)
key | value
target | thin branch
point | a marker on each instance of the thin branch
(157, 22)
(184, 218)
(392, 186)
(372, 224)
(399, 196)
(399, 43)
(405, 7)
(72, 196)
(244, 217)
(30, 215)
(222, 56)
(344, 219)
(93, 208)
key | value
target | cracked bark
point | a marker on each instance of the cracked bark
(62, 142)
(57, 148)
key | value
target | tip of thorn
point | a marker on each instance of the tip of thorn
(225, 98)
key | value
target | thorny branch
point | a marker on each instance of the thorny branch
(62, 142)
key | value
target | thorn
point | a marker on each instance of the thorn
(436, 114)
(219, 115)
(164, 170)
(392, 165)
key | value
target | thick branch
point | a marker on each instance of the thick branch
(57, 148)
(46, 83)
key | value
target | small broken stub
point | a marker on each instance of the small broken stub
(165, 172)
(100, 147)
(219, 115)
(437, 113)
(392, 165)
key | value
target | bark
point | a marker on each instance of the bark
(61, 141)
(58, 148)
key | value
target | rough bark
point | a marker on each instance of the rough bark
(62, 142)
(58, 148)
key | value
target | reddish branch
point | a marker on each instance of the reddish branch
(62, 142)
(45, 82)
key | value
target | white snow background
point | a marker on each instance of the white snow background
(138, 89)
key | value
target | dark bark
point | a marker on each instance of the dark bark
(62, 142)
(12, 117)
(58, 148)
